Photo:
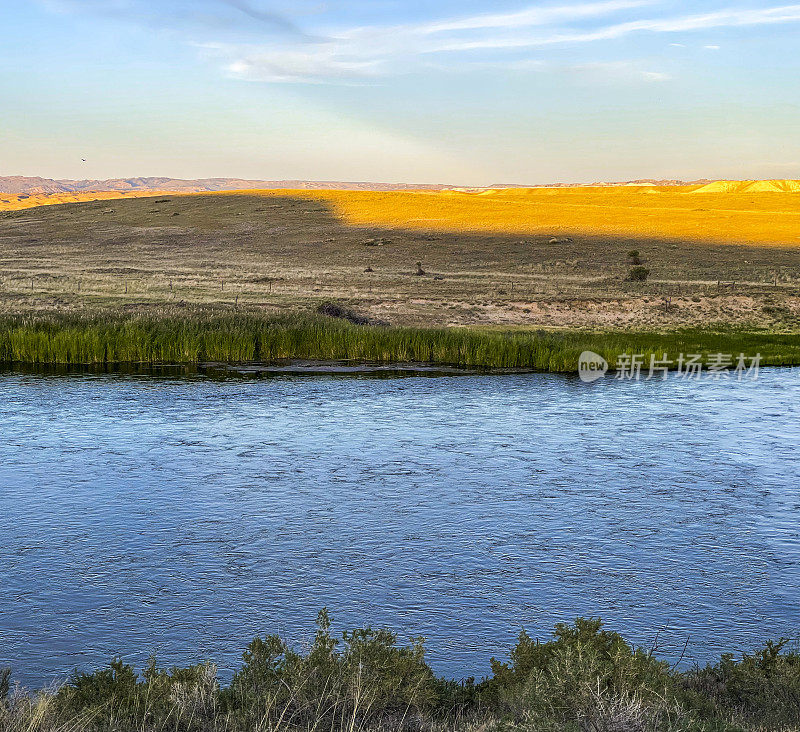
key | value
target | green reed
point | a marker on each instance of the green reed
(200, 337)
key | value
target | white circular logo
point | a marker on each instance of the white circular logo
(591, 367)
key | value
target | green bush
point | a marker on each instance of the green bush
(638, 274)
(363, 678)
(5, 685)
(760, 689)
(585, 676)
(117, 698)
(107, 694)
(583, 679)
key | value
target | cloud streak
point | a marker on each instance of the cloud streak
(369, 52)
(272, 47)
(689, 23)
(186, 16)
(373, 51)
(533, 16)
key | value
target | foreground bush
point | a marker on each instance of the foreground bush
(364, 679)
(760, 690)
(585, 679)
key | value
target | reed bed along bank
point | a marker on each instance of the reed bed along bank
(583, 679)
(198, 337)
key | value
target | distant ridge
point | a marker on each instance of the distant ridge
(24, 185)
(609, 184)
(34, 185)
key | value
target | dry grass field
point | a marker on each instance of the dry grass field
(526, 258)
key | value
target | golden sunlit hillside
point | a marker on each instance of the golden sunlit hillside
(748, 212)
(751, 186)
(19, 202)
(668, 212)
(511, 257)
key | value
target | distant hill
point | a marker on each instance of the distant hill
(34, 185)
(751, 186)
(609, 184)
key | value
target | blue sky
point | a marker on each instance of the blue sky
(470, 92)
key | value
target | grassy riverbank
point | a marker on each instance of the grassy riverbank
(583, 678)
(201, 336)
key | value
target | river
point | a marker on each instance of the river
(185, 514)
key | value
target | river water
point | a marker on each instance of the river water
(184, 515)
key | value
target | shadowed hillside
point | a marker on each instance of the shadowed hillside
(279, 252)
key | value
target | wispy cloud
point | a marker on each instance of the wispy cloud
(630, 70)
(317, 65)
(373, 51)
(533, 16)
(687, 23)
(273, 47)
(618, 71)
(186, 16)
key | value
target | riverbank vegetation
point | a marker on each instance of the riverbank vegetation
(584, 678)
(196, 336)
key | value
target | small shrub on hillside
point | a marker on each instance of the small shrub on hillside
(776, 311)
(638, 274)
(335, 310)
